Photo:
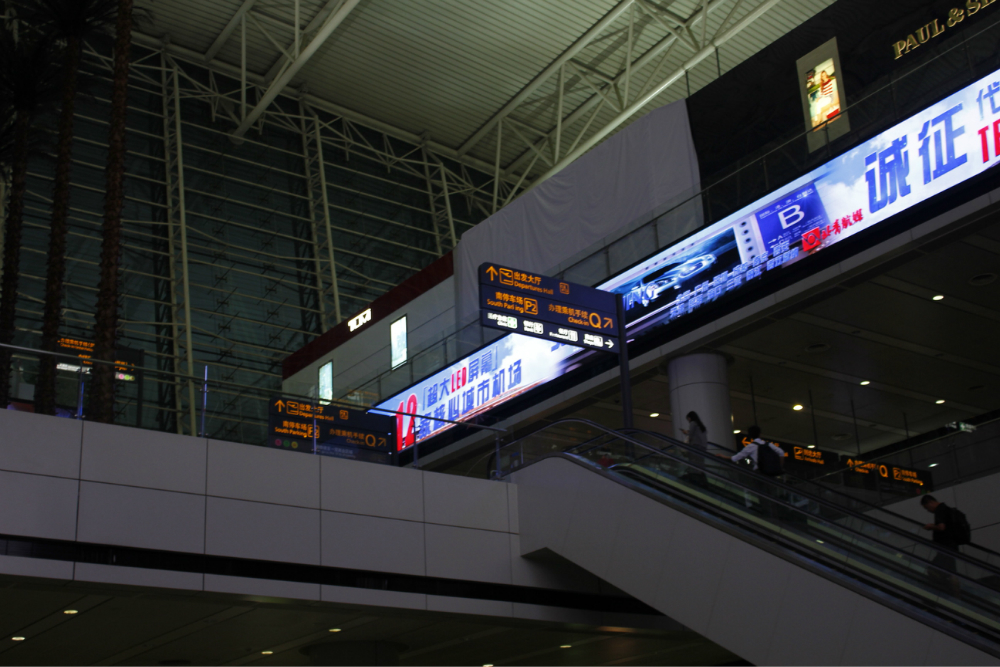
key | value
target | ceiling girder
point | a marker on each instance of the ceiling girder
(292, 67)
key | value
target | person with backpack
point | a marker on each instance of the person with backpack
(765, 457)
(949, 529)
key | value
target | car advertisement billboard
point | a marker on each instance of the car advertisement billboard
(946, 144)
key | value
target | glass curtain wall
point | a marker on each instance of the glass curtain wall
(235, 254)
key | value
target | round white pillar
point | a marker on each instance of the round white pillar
(700, 382)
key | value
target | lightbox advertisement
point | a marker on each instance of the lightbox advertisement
(943, 145)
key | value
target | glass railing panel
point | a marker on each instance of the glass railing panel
(962, 587)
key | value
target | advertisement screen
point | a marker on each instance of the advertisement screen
(325, 384)
(823, 93)
(397, 341)
(946, 144)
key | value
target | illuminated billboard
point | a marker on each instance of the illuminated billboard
(946, 144)
(822, 91)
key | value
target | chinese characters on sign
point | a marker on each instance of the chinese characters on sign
(296, 425)
(946, 144)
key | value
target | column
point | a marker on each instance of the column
(700, 383)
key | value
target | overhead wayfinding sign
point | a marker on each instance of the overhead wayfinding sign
(558, 311)
(544, 307)
(336, 431)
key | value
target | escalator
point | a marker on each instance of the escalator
(778, 572)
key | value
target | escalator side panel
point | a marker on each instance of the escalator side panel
(763, 607)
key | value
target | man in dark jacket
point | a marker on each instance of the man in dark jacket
(942, 535)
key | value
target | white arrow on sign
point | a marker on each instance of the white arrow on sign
(610, 344)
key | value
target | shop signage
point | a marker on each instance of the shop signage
(937, 27)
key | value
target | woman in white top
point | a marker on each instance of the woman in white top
(697, 434)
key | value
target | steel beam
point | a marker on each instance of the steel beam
(289, 72)
(227, 32)
(180, 283)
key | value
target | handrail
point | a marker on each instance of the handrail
(724, 461)
(835, 491)
(242, 387)
(936, 616)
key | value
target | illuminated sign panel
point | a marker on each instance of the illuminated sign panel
(946, 144)
(325, 382)
(397, 341)
(360, 320)
(292, 425)
(125, 367)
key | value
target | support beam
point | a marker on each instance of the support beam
(227, 32)
(545, 74)
(283, 79)
(180, 282)
(225, 69)
(644, 99)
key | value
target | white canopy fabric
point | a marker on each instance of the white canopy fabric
(620, 182)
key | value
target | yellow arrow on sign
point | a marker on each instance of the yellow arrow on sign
(280, 405)
(492, 273)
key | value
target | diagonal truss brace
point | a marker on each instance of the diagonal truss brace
(292, 67)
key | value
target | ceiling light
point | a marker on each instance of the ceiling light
(334, 629)
(937, 297)
(865, 383)
(821, 541)
(17, 639)
(566, 646)
(796, 407)
(266, 652)
(487, 665)
(930, 466)
(811, 446)
(939, 401)
(736, 432)
(71, 611)
(654, 415)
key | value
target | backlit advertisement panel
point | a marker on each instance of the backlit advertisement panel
(946, 144)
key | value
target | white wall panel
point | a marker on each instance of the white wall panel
(22, 450)
(363, 488)
(243, 529)
(145, 518)
(150, 459)
(38, 506)
(261, 474)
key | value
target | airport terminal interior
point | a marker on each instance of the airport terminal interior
(455, 332)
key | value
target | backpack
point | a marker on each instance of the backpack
(959, 527)
(769, 462)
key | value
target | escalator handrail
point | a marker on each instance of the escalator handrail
(725, 461)
(859, 501)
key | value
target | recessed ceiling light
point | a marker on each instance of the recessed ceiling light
(654, 414)
(797, 407)
(71, 611)
(17, 639)
(811, 446)
(821, 541)
(736, 431)
(566, 646)
(939, 401)
(865, 383)
(266, 652)
(929, 466)
(334, 629)
(937, 297)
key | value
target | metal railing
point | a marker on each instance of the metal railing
(138, 402)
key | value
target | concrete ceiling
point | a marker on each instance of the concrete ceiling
(118, 625)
